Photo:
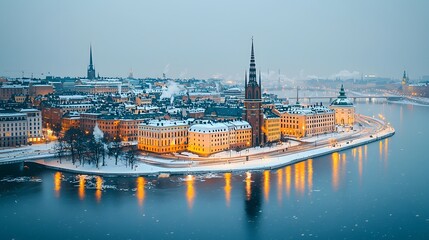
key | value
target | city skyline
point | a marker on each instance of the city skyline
(132, 37)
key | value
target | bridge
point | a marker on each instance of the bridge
(354, 98)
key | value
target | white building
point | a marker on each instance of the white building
(13, 129)
(34, 125)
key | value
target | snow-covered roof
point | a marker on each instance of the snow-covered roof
(166, 123)
(29, 110)
(241, 124)
(197, 110)
(342, 102)
(12, 114)
(309, 110)
(209, 128)
(13, 86)
(235, 89)
(71, 97)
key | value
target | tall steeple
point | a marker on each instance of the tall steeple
(90, 55)
(245, 80)
(252, 69)
(91, 69)
(253, 112)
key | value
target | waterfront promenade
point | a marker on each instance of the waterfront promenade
(370, 130)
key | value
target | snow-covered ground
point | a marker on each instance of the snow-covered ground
(262, 158)
(242, 153)
(189, 167)
(27, 152)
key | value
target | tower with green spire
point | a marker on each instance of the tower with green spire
(344, 109)
(405, 79)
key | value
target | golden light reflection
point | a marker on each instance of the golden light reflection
(190, 192)
(335, 170)
(98, 188)
(365, 151)
(57, 183)
(279, 184)
(266, 185)
(360, 168)
(81, 190)
(288, 179)
(310, 174)
(386, 148)
(248, 185)
(354, 150)
(140, 190)
(228, 188)
(300, 177)
(380, 149)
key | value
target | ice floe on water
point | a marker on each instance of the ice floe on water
(21, 179)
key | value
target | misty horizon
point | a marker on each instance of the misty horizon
(212, 40)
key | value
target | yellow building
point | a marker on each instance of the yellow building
(240, 134)
(162, 136)
(271, 128)
(209, 138)
(344, 109)
(300, 121)
(128, 129)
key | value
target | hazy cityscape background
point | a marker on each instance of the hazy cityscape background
(202, 39)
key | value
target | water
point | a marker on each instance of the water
(374, 191)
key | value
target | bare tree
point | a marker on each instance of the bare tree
(130, 157)
(115, 148)
(56, 128)
(72, 139)
(60, 148)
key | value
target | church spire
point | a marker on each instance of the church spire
(252, 69)
(90, 55)
(91, 69)
(245, 79)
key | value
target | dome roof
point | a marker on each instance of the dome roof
(342, 102)
(342, 99)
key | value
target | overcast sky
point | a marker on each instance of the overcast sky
(198, 38)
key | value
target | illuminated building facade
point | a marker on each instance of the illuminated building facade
(163, 136)
(13, 129)
(209, 138)
(299, 121)
(271, 128)
(344, 109)
(34, 125)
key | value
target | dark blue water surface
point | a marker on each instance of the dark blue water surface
(370, 192)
